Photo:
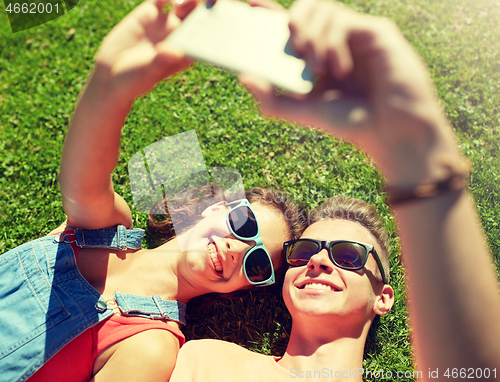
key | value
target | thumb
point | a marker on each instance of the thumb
(169, 51)
(329, 110)
(169, 59)
(271, 104)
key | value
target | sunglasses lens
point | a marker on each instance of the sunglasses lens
(243, 222)
(299, 253)
(257, 266)
(349, 255)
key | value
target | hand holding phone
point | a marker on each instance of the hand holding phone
(246, 39)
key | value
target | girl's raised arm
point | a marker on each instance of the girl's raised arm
(131, 60)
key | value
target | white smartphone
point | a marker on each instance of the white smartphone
(238, 37)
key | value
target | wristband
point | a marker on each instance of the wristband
(458, 170)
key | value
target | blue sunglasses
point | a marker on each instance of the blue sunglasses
(257, 264)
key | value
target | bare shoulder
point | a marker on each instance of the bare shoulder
(203, 360)
(154, 342)
(215, 360)
(195, 345)
(210, 348)
(148, 355)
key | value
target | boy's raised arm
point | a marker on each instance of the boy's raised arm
(374, 90)
(131, 60)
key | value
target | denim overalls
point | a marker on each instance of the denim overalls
(45, 302)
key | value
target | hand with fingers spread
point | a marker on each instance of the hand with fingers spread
(371, 89)
(134, 56)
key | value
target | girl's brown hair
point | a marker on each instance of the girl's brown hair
(186, 207)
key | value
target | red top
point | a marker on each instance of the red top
(75, 361)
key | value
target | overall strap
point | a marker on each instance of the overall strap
(113, 237)
(151, 307)
(130, 305)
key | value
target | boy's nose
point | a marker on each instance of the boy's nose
(320, 260)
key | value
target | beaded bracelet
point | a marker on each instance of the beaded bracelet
(458, 170)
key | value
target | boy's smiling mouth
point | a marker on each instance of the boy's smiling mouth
(318, 285)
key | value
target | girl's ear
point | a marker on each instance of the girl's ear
(384, 301)
(213, 208)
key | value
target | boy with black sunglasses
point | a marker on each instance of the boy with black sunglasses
(332, 307)
(374, 90)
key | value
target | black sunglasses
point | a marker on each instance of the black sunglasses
(345, 254)
(242, 223)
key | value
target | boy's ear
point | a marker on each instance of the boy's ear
(384, 301)
(213, 208)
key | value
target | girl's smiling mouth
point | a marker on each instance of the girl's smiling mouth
(214, 257)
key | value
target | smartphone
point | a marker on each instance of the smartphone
(245, 39)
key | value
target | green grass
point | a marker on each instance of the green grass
(43, 69)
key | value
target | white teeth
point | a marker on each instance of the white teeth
(212, 251)
(317, 286)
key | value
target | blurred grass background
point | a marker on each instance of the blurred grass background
(43, 69)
